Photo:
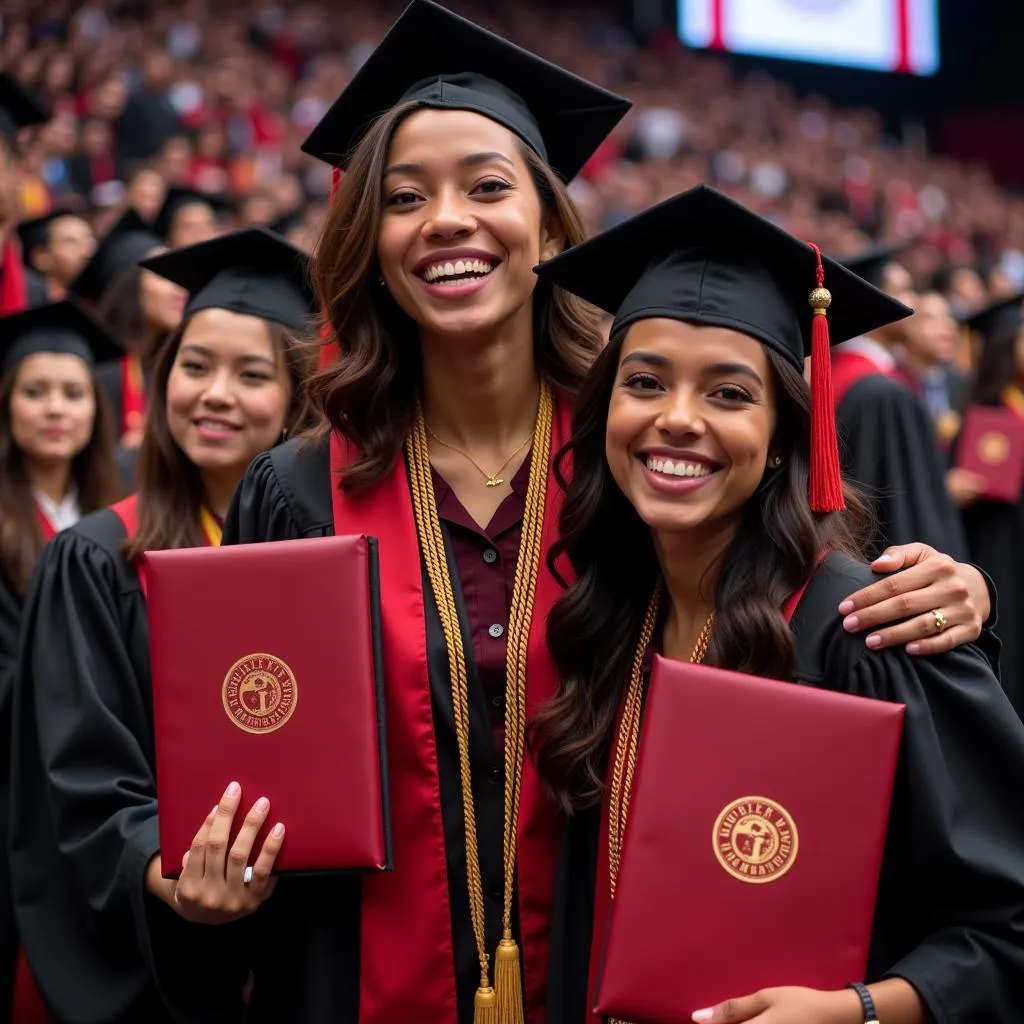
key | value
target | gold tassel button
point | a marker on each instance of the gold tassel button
(485, 1006)
(819, 300)
(508, 983)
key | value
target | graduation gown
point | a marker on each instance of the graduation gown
(125, 388)
(84, 814)
(950, 910)
(324, 921)
(888, 448)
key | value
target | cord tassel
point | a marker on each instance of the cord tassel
(508, 984)
(826, 483)
(485, 1006)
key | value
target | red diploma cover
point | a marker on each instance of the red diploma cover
(753, 844)
(992, 445)
(267, 670)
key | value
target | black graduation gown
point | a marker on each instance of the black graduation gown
(889, 449)
(10, 618)
(286, 495)
(950, 912)
(83, 822)
(995, 536)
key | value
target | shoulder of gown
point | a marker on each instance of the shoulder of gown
(285, 494)
(950, 913)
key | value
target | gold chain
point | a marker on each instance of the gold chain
(628, 738)
(493, 479)
(428, 527)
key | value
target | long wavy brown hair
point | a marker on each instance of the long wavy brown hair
(593, 629)
(170, 487)
(93, 473)
(369, 394)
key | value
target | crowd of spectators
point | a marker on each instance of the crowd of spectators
(219, 95)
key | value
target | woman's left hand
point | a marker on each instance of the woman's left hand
(926, 588)
(788, 1005)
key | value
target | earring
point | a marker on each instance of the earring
(381, 281)
(776, 462)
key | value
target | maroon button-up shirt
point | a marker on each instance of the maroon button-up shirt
(486, 563)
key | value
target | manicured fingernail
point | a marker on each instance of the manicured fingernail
(884, 558)
(232, 791)
(913, 648)
(701, 1015)
(846, 607)
(277, 831)
(216, 808)
(851, 622)
(262, 805)
(184, 860)
(874, 640)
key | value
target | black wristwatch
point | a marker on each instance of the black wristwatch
(870, 1013)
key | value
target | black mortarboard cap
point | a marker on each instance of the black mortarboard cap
(1004, 313)
(870, 264)
(20, 107)
(33, 232)
(702, 258)
(62, 327)
(178, 198)
(441, 60)
(252, 271)
(122, 246)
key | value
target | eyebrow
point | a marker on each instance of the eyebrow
(472, 160)
(200, 350)
(650, 359)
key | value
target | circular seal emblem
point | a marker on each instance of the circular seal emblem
(993, 448)
(260, 693)
(755, 840)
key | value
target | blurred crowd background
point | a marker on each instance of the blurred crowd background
(218, 96)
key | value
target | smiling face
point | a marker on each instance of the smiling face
(690, 423)
(52, 407)
(462, 225)
(228, 392)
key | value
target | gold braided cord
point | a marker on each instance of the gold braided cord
(628, 739)
(428, 527)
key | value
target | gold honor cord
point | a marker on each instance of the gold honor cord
(210, 527)
(504, 1001)
(628, 739)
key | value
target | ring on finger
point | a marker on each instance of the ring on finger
(247, 875)
(940, 621)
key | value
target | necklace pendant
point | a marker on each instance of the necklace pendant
(494, 481)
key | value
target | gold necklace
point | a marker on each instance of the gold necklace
(502, 1002)
(628, 737)
(493, 479)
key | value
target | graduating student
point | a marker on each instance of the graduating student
(56, 464)
(54, 248)
(142, 308)
(448, 401)
(84, 834)
(188, 217)
(698, 446)
(887, 441)
(19, 108)
(995, 529)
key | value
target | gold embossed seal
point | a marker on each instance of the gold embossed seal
(993, 448)
(260, 693)
(755, 840)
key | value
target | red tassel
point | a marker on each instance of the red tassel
(826, 484)
(329, 348)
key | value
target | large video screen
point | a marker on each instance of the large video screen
(877, 35)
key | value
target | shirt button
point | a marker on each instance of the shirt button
(498, 701)
(490, 556)
(497, 891)
(496, 630)
(494, 774)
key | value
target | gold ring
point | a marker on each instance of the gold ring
(940, 621)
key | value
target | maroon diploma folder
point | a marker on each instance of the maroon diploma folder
(992, 445)
(753, 845)
(267, 670)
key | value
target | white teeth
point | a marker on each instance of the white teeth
(459, 268)
(670, 467)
